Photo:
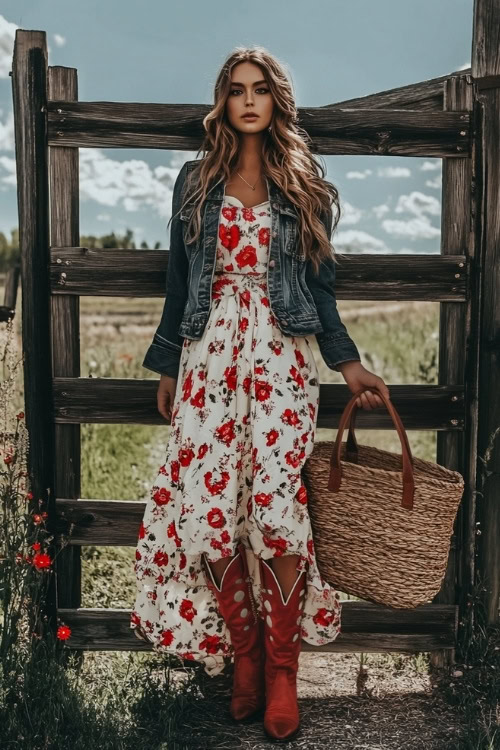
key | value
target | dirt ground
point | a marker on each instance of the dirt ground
(393, 705)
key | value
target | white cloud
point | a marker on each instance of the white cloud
(357, 241)
(356, 175)
(59, 40)
(393, 172)
(418, 203)
(414, 229)
(418, 227)
(103, 217)
(380, 210)
(7, 35)
(349, 214)
(7, 133)
(431, 165)
(436, 182)
(130, 184)
(7, 172)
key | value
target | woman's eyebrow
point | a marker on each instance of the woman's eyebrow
(237, 83)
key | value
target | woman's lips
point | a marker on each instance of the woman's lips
(250, 117)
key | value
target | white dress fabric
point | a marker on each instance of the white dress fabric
(243, 424)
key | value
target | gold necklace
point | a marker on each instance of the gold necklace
(252, 186)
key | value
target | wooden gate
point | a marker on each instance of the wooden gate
(454, 118)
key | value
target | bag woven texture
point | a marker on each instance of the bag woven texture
(381, 521)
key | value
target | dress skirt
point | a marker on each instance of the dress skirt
(243, 423)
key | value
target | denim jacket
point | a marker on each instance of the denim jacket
(302, 302)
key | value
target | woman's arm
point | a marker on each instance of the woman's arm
(164, 353)
(335, 344)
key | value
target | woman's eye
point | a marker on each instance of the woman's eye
(234, 91)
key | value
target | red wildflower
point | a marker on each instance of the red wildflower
(63, 632)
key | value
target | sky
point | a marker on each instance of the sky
(171, 52)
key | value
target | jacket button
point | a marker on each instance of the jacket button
(272, 263)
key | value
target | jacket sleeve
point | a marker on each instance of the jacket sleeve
(164, 353)
(334, 342)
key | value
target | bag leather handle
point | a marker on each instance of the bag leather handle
(351, 451)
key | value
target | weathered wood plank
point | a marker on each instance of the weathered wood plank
(365, 627)
(104, 523)
(332, 131)
(133, 401)
(423, 95)
(141, 273)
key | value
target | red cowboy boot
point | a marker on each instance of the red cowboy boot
(282, 643)
(237, 607)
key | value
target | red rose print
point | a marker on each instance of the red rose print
(301, 495)
(230, 375)
(262, 498)
(272, 437)
(262, 390)
(174, 471)
(216, 487)
(215, 518)
(323, 617)
(198, 399)
(229, 236)
(247, 256)
(172, 532)
(225, 433)
(299, 357)
(187, 610)
(142, 532)
(293, 458)
(166, 638)
(264, 235)
(202, 450)
(278, 545)
(160, 558)
(295, 375)
(291, 417)
(162, 496)
(247, 213)
(186, 455)
(230, 213)
(211, 643)
(187, 386)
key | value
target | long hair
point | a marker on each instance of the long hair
(286, 156)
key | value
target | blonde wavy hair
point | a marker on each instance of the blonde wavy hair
(286, 156)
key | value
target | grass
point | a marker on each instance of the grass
(138, 700)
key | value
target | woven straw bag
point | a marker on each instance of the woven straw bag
(381, 522)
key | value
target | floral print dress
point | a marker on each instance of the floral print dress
(243, 423)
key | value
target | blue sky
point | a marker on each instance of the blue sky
(171, 52)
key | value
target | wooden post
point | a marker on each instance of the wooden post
(486, 62)
(65, 330)
(29, 90)
(458, 359)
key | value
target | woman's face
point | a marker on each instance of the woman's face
(249, 93)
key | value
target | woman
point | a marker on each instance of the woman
(225, 560)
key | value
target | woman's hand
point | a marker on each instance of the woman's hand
(356, 376)
(165, 396)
